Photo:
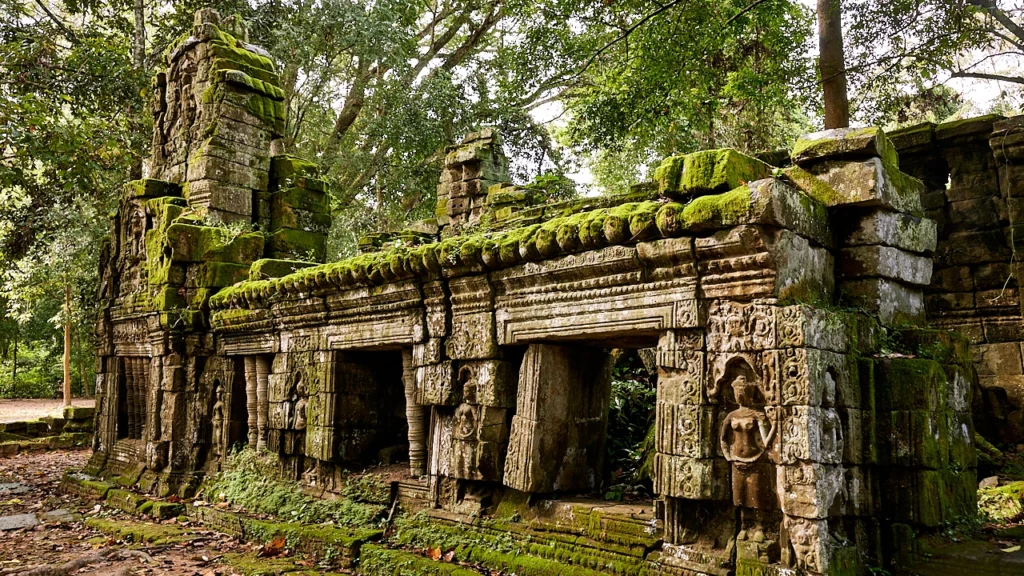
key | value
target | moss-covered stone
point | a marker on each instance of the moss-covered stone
(288, 166)
(717, 211)
(139, 532)
(152, 188)
(161, 510)
(708, 172)
(190, 243)
(275, 268)
(845, 143)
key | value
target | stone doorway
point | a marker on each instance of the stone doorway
(369, 416)
(238, 421)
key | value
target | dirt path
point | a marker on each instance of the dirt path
(32, 409)
(29, 485)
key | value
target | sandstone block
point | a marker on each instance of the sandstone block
(885, 262)
(811, 434)
(973, 247)
(682, 477)
(915, 438)
(894, 229)
(808, 490)
(845, 143)
(708, 172)
(952, 279)
(893, 302)
(684, 385)
(488, 383)
(684, 430)
(870, 183)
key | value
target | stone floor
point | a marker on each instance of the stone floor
(35, 408)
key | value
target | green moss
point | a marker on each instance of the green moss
(139, 532)
(545, 241)
(379, 561)
(851, 142)
(812, 186)
(152, 188)
(251, 484)
(642, 224)
(728, 209)
(616, 223)
(297, 244)
(288, 166)
(708, 172)
(568, 233)
(508, 243)
(275, 268)
(591, 229)
(161, 510)
(1002, 503)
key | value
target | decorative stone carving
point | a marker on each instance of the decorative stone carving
(735, 327)
(809, 542)
(746, 435)
(217, 417)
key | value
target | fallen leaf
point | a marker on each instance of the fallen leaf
(274, 548)
(1011, 549)
(434, 553)
(449, 556)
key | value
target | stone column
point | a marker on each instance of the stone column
(262, 367)
(251, 399)
(416, 418)
(558, 433)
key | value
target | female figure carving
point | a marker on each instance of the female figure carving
(746, 435)
(218, 418)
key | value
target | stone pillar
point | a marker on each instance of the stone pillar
(262, 366)
(881, 266)
(416, 418)
(252, 399)
(558, 433)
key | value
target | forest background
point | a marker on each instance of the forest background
(588, 95)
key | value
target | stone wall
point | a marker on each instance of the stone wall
(805, 417)
(972, 170)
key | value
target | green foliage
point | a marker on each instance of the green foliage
(1002, 503)
(39, 372)
(689, 76)
(631, 421)
(250, 482)
(901, 53)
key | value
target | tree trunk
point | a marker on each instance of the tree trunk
(832, 64)
(139, 62)
(81, 364)
(67, 344)
(14, 364)
(139, 38)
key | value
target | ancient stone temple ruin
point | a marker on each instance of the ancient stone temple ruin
(807, 419)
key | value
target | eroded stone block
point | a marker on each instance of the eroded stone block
(683, 477)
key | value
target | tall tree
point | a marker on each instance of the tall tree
(832, 64)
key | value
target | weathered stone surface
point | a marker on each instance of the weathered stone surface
(885, 262)
(895, 229)
(557, 438)
(790, 418)
(18, 522)
(870, 183)
(893, 302)
(844, 143)
(708, 172)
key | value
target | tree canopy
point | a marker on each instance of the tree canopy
(376, 90)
